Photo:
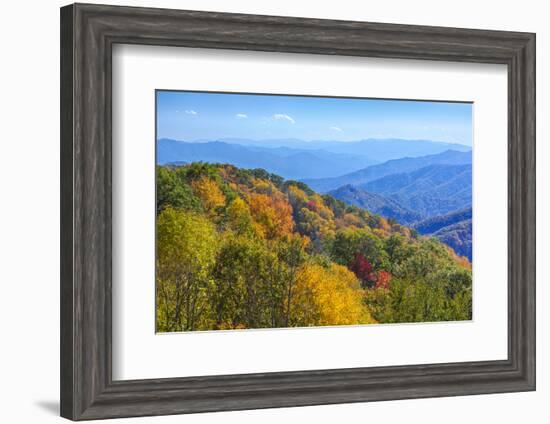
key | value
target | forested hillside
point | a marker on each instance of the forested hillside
(453, 229)
(436, 223)
(427, 198)
(458, 236)
(243, 248)
(429, 191)
(376, 203)
(391, 167)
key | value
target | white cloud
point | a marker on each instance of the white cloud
(190, 112)
(241, 116)
(335, 128)
(279, 116)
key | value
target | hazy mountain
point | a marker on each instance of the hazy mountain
(410, 197)
(436, 223)
(408, 189)
(407, 164)
(287, 162)
(388, 149)
(353, 161)
(375, 203)
(379, 150)
(432, 190)
(454, 229)
(458, 236)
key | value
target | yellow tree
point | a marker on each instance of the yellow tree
(210, 194)
(239, 217)
(312, 224)
(298, 198)
(272, 215)
(328, 296)
(349, 220)
(324, 211)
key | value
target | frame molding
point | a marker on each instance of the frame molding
(88, 33)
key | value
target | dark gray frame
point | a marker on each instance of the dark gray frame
(88, 33)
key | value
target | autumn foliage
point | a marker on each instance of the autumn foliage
(272, 215)
(362, 269)
(245, 249)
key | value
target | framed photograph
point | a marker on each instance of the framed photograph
(263, 211)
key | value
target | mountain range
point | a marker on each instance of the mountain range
(395, 166)
(435, 199)
(375, 203)
(458, 236)
(378, 150)
(437, 223)
(290, 163)
(298, 159)
(430, 192)
(454, 229)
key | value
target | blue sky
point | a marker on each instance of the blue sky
(191, 116)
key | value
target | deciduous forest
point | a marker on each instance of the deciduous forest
(240, 248)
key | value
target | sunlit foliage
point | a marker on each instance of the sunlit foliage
(186, 253)
(328, 296)
(272, 215)
(243, 249)
(209, 193)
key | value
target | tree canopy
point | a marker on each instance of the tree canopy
(243, 248)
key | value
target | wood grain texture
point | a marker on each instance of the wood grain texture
(66, 213)
(88, 33)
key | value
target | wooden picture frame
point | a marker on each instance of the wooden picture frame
(88, 33)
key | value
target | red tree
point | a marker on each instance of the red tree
(363, 270)
(312, 206)
(383, 280)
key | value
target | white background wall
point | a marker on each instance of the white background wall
(29, 213)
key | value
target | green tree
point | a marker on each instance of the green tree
(292, 252)
(186, 252)
(249, 287)
(241, 248)
(349, 242)
(238, 217)
(397, 250)
(171, 191)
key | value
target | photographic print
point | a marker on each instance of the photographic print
(280, 211)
